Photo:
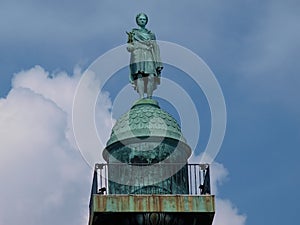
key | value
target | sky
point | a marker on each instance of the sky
(252, 48)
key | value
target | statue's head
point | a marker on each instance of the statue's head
(141, 19)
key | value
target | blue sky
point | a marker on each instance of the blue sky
(251, 46)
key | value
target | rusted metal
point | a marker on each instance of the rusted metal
(153, 203)
(152, 209)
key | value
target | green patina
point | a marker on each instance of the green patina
(145, 119)
(152, 209)
(147, 135)
(154, 203)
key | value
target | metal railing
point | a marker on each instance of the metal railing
(198, 178)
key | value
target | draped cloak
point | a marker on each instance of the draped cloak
(145, 56)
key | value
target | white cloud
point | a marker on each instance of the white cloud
(57, 87)
(27, 122)
(44, 179)
(226, 212)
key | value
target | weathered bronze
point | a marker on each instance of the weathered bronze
(152, 210)
(147, 136)
(145, 63)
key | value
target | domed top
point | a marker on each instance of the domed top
(145, 119)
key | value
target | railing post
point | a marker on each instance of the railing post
(205, 187)
(94, 188)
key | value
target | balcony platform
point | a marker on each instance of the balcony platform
(151, 209)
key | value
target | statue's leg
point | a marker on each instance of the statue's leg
(140, 85)
(150, 85)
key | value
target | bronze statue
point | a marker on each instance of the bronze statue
(145, 63)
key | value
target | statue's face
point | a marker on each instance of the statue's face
(142, 20)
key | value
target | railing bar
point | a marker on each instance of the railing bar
(195, 177)
(98, 180)
(171, 184)
(148, 178)
(106, 178)
(192, 182)
(164, 182)
(188, 167)
(174, 183)
(199, 174)
(101, 177)
(203, 177)
(190, 178)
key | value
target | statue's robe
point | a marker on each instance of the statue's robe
(145, 56)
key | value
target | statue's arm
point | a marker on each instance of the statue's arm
(153, 36)
(130, 46)
(156, 55)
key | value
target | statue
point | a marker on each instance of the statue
(145, 63)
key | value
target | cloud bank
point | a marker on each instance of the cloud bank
(44, 179)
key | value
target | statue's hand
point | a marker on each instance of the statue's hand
(130, 48)
(130, 37)
(159, 69)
